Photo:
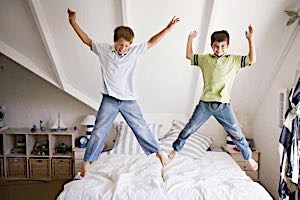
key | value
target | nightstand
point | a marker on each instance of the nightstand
(78, 159)
(237, 156)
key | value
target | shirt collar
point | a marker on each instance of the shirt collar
(113, 50)
(214, 56)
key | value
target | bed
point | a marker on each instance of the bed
(193, 174)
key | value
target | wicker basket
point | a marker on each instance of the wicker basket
(16, 168)
(1, 168)
(39, 168)
(61, 168)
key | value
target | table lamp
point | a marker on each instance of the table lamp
(89, 122)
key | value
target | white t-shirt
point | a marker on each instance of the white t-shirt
(117, 70)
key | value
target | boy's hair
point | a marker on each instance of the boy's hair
(219, 36)
(123, 32)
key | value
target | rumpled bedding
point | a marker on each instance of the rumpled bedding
(129, 177)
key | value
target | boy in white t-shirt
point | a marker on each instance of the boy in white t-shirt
(118, 62)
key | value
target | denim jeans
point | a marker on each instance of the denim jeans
(106, 115)
(224, 115)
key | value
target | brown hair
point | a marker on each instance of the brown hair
(219, 36)
(123, 32)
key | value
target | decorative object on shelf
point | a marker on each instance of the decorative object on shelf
(82, 141)
(20, 145)
(33, 129)
(89, 122)
(63, 148)
(59, 124)
(2, 118)
(40, 149)
(294, 16)
(42, 128)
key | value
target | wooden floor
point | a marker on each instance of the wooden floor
(31, 190)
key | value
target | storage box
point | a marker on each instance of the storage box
(39, 168)
(61, 168)
(16, 168)
(1, 168)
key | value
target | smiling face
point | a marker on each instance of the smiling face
(219, 42)
(219, 48)
(122, 45)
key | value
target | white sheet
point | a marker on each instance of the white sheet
(122, 177)
(214, 176)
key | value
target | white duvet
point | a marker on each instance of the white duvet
(129, 177)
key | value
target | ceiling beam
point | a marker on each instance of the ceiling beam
(31, 66)
(81, 96)
(57, 67)
(25, 62)
(41, 23)
(124, 5)
(210, 12)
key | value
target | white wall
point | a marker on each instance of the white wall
(19, 32)
(98, 19)
(265, 131)
(269, 23)
(164, 73)
(28, 99)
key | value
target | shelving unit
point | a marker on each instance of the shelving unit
(38, 155)
(1, 157)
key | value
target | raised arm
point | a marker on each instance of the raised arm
(156, 38)
(189, 45)
(249, 36)
(82, 35)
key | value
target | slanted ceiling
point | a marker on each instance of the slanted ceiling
(37, 35)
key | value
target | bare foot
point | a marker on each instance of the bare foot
(172, 154)
(85, 166)
(252, 164)
(161, 158)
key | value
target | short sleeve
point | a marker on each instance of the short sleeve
(242, 61)
(195, 59)
(98, 47)
(138, 50)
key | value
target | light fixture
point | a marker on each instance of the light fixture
(89, 122)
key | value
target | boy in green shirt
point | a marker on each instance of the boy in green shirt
(219, 71)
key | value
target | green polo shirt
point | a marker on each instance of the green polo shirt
(218, 74)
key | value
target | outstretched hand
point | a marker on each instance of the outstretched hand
(72, 16)
(249, 32)
(173, 22)
(193, 34)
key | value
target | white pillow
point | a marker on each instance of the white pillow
(195, 146)
(126, 142)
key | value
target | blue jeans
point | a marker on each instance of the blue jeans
(106, 115)
(224, 115)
